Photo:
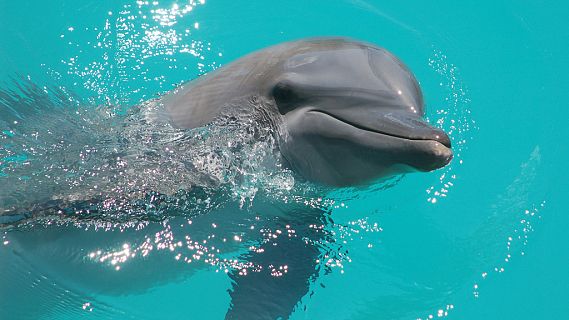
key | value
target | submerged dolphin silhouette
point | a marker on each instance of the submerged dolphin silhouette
(344, 113)
(352, 112)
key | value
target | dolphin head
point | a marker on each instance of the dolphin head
(353, 115)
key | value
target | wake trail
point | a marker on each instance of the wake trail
(61, 156)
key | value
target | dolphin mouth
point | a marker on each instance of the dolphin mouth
(435, 135)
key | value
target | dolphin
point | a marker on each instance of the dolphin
(343, 113)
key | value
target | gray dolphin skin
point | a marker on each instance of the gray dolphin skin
(352, 112)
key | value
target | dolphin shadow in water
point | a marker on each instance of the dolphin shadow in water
(291, 262)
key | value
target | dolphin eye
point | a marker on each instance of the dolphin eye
(285, 96)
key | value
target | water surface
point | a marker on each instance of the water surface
(481, 238)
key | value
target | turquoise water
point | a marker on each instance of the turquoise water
(481, 238)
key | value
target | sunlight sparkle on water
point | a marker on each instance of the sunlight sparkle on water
(127, 41)
(454, 117)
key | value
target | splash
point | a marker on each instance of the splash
(455, 118)
(71, 160)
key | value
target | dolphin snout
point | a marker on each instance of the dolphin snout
(443, 152)
(411, 126)
(431, 155)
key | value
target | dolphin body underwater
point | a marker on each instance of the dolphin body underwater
(343, 113)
